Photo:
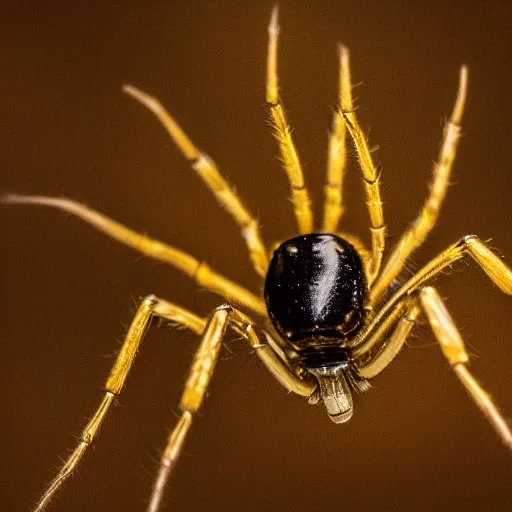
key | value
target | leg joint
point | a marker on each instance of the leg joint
(152, 298)
(426, 290)
(224, 307)
(464, 240)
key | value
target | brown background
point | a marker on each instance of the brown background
(416, 442)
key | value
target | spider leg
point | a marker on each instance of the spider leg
(300, 197)
(422, 225)
(401, 320)
(199, 271)
(337, 155)
(200, 376)
(453, 349)
(371, 178)
(208, 172)
(149, 307)
(470, 245)
(451, 342)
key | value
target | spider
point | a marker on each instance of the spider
(334, 314)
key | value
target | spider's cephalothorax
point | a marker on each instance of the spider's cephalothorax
(315, 290)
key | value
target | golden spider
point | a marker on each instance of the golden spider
(333, 315)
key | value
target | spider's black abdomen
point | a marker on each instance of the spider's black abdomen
(315, 288)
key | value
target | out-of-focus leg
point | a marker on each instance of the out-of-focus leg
(199, 271)
(208, 172)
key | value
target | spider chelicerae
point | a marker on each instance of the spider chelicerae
(333, 315)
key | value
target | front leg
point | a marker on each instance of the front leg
(454, 350)
(400, 323)
(471, 245)
(150, 307)
(199, 378)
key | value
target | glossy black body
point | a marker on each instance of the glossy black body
(315, 291)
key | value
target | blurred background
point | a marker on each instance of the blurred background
(416, 441)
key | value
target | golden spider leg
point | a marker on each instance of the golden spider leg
(402, 318)
(291, 162)
(453, 349)
(492, 265)
(199, 379)
(208, 172)
(422, 225)
(193, 395)
(337, 155)
(180, 316)
(150, 306)
(451, 343)
(371, 180)
(199, 271)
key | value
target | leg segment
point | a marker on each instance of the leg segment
(291, 162)
(337, 156)
(372, 186)
(193, 395)
(208, 172)
(451, 343)
(150, 306)
(199, 379)
(199, 271)
(402, 318)
(422, 225)
(453, 349)
(195, 388)
(498, 272)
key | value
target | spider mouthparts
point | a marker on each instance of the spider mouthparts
(335, 392)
